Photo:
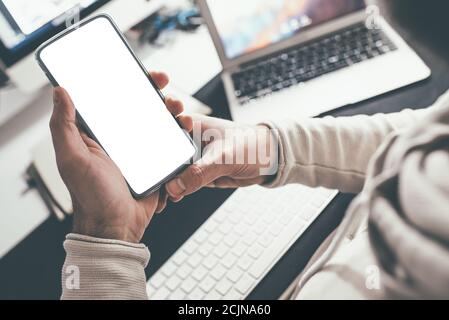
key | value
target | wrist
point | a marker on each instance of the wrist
(101, 230)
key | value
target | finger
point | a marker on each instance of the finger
(162, 203)
(196, 177)
(160, 79)
(176, 200)
(175, 106)
(150, 204)
(186, 122)
(230, 183)
(65, 133)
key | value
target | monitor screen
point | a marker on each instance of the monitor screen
(250, 25)
(25, 24)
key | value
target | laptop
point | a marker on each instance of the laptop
(301, 58)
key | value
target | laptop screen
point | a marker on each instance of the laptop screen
(245, 26)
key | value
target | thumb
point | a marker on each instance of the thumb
(64, 110)
(65, 133)
(196, 176)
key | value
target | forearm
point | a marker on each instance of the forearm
(98, 269)
(334, 152)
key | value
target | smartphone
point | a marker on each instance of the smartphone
(117, 103)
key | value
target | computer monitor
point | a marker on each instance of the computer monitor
(25, 24)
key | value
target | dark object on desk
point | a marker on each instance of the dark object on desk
(166, 20)
(43, 175)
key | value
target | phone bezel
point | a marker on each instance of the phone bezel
(80, 119)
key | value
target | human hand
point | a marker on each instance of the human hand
(233, 155)
(103, 205)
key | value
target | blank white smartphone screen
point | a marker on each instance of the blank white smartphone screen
(118, 103)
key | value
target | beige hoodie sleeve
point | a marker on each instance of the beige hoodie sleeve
(334, 152)
(99, 269)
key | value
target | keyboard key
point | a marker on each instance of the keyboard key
(211, 226)
(265, 240)
(210, 262)
(244, 284)
(268, 219)
(218, 272)
(195, 260)
(255, 251)
(199, 273)
(245, 262)
(207, 284)
(190, 247)
(221, 216)
(276, 229)
(178, 295)
(216, 238)
(197, 294)
(231, 240)
(150, 289)
(234, 218)
(161, 294)
(224, 286)
(250, 238)
(213, 295)
(158, 280)
(240, 229)
(285, 219)
(233, 295)
(225, 228)
(169, 269)
(258, 269)
(235, 274)
(184, 271)
(188, 285)
(205, 249)
(229, 260)
(250, 219)
(260, 227)
(180, 257)
(239, 249)
(200, 236)
(173, 283)
(221, 250)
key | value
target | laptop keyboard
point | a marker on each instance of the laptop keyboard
(308, 61)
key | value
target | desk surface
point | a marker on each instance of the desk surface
(32, 269)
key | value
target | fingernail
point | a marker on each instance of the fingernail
(176, 187)
(177, 200)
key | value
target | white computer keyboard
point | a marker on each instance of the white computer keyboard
(238, 245)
